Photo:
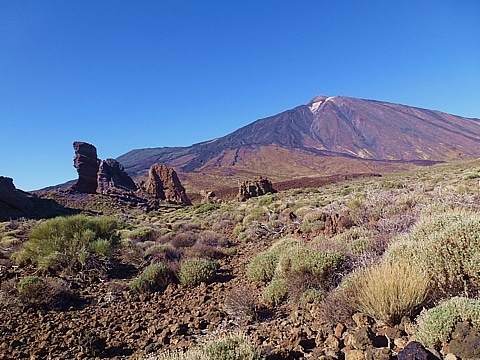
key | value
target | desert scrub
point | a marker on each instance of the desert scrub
(275, 292)
(283, 245)
(435, 325)
(312, 296)
(313, 221)
(356, 240)
(36, 292)
(195, 271)
(154, 277)
(262, 267)
(69, 242)
(390, 290)
(448, 247)
(226, 347)
(308, 260)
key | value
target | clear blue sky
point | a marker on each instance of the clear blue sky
(133, 74)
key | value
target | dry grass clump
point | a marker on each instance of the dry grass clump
(434, 326)
(390, 290)
(241, 302)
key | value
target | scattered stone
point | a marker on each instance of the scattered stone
(465, 342)
(416, 351)
(354, 355)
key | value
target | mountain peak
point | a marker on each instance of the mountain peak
(318, 101)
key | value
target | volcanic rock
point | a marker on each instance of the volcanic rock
(13, 202)
(112, 175)
(87, 164)
(252, 188)
(163, 184)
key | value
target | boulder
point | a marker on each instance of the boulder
(208, 197)
(87, 164)
(163, 184)
(252, 188)
(416, 351)
(111, 175)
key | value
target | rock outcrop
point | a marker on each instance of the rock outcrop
(252, 188)
(209, 197)
(163, 184)
(111, 176)
(87, 164)
(13, 203)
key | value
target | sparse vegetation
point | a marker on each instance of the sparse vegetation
(74, 243)
(195, 271)
(266, 263)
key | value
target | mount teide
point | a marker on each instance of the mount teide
(327, 136)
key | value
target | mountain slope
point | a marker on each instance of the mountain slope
(326, 136)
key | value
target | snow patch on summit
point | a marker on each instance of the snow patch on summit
(315, 106)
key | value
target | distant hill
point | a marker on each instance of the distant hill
(327, 136)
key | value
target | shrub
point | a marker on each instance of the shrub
(308, 260)
(228, 347)
(195, 271)
(312, 296)
(283, 245)
(231, 348)
(275, 292)
(40, 293)
(262, 267)
(69, 242)
(390, 290)
(241, 302)
(448, 246)
(435, 325)
(203, 208)
(184, 239)
(154, 277)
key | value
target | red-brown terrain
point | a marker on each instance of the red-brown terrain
(327, 136)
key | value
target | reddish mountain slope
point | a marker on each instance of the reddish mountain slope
(329, 135)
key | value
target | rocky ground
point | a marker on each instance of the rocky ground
(108, 321)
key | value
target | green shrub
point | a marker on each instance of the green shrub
(435, 325)
(275, 292)
(231, 348)
(312, 296)
(448, 247)
(195, 271)
(390, 290)
(308, 260)
(283, 245)
(69, 242)
(154, 277)
(262, 267)
(203, 208)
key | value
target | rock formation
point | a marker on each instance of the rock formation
(111, 175)
(257, 187)
(86, 163)
(13, 203)
(163, 184)
(209, 197)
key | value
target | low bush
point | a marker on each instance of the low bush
(226, 347)
(195, 271)
(262, 267)
(73, 243)
(312, 296)
(435, 325)
(390, 290)
(241, 303)
(44, 293)
(448, 247)
(154, 277)
(275, 292)
(184, 239)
